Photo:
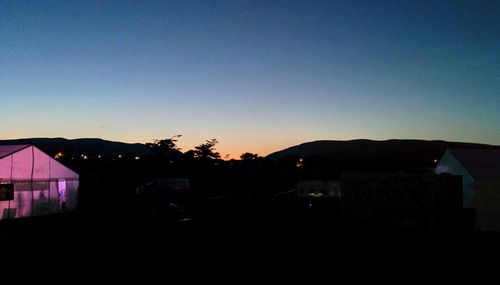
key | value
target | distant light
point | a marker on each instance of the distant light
(119, 156)
(99, 156)
(59, 155)
(137, 158)
(435, 160)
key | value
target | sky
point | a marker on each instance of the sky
(258, 76)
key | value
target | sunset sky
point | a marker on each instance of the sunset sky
(257, 75)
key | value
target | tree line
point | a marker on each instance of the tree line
(206, 150)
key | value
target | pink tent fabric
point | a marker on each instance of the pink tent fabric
(40, 183)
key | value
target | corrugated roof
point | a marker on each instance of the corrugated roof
(6, 150)
(482, 164)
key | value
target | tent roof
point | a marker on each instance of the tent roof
(482, 164)
(6, 150)
(30, 162)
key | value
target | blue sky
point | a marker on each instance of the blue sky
(257, 75)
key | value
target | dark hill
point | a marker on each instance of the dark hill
(88, 146)
(412, 153)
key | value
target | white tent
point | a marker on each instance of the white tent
(33, 183)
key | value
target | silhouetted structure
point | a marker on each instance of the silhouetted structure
(480, 171)
(426, 200)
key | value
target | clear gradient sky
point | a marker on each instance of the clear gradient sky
(257, 75)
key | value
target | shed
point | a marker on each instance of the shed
(33, 183)
(480, 171)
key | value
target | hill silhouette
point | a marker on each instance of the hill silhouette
(87, 146)
(413, 153)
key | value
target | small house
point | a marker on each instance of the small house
(480, 171)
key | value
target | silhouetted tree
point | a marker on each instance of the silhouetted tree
(190, 154)
(207, 150)
(165, 146)
(247, 156)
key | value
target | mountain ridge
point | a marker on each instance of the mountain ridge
(83, 146)
(407, 151)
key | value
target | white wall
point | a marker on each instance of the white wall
(449, 164)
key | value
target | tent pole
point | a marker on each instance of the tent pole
(50, 182)
(31, 180)
(11, 162)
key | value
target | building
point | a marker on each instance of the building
(480, 171)
(318, 188)
(402, 199)
(33, 183)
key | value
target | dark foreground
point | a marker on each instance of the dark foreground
(232, 243)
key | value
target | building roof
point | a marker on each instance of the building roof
(482, 164)
(6, 150)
